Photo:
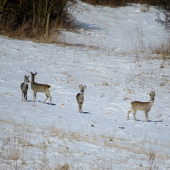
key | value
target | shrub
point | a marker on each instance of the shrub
(163, 49)
(33, 16)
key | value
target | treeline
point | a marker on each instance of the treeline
(33, 16)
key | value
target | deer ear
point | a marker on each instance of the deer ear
(36, 73)
(80, 86)
(153, 92)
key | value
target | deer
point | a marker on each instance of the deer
(80, 97)
(65, 167)
(144, 106)
(145, 8)
(36, 87)
(24, 88)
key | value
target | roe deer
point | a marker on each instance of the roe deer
(80, 97)
(144, 106)
(39, 88)
(65, 167)
(24, 88)
(145, 8)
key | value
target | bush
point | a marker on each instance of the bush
(162, 49)
(33, 16)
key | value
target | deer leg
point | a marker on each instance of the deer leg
(146, 115)
(129, 113)
(81, 108)
(48, 96)
(134, 114)
(50, 100)
(46, 99)
(24, 97)
(34, 96)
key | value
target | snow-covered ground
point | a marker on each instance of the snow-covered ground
(105, 57)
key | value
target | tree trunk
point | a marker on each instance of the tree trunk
(48, 20)
(33, 23)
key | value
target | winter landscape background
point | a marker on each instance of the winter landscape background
(110, 55)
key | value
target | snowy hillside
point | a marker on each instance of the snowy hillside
(105, 57)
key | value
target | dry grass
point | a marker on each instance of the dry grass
(162, 50)
(20, 147)
(107, 141)
(152, 162)
(103, 139)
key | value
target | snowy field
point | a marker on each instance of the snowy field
(105, 56)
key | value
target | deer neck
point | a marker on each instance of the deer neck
(82, 94)
(151, 102)
(32, 83)
(32, 80)
(25, 83)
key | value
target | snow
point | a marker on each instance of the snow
(105, 56)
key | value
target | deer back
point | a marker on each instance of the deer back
(144, 106)
(39, 87)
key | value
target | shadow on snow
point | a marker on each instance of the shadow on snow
(86, 112)
(151, 120)
(52, 104)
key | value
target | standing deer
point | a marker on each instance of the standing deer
(144, 106)
(80, 97)
(24, 88)
(39, 88)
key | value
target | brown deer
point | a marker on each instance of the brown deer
(144, 106)
(24, 88)
(36, 87)
(80, 97)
